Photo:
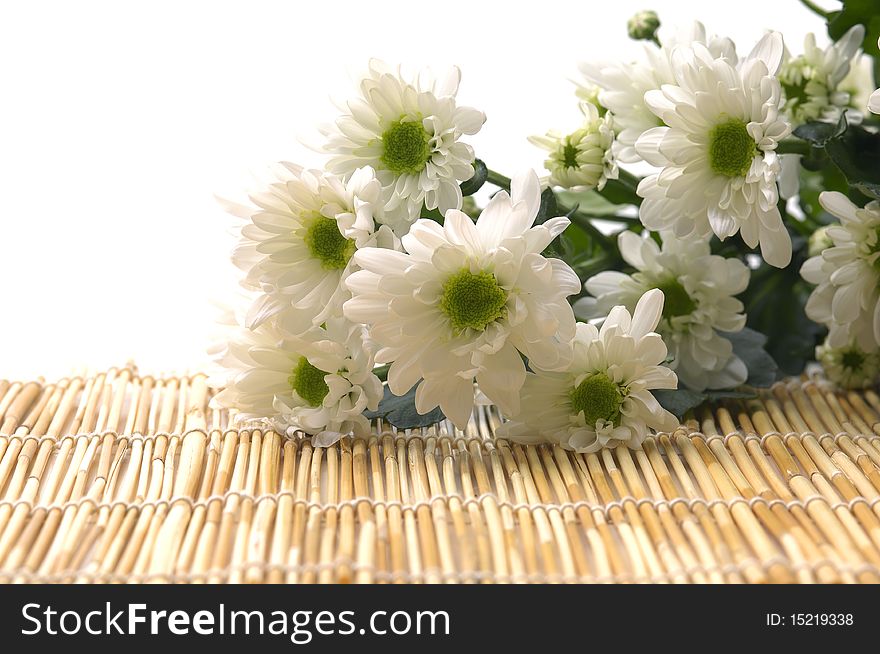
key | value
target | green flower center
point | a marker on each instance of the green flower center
(677, 302)
(569, 156)
(327, 244)
(472, 300)
(852, 360)
(731, 148)
(308, 382)
(406, 147)
(599, 398)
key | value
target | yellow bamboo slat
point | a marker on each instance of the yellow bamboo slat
(123, 478)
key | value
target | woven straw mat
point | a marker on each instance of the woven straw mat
(122, 478)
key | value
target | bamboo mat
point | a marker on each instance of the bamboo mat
(122, 478)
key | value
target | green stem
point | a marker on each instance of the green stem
(586, 224)
(629, 180)
(498, 180)
(816, 9)
(793, 146)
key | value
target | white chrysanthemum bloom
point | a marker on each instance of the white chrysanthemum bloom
(603, 398)
(847, 276)
(409, 132)
(296, 243)
(717, 153)
(623, 85)
(469, 301)
(849, 366)
(699, 288)
(583, 158)
(874, 100)
(811, 82)
(319, 382)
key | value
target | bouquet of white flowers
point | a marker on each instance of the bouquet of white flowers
(406, 278)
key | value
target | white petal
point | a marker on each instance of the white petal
(460, 230)
(874, 102)
(770, 50)
(647, 313)
(776, 246)
(525, 187)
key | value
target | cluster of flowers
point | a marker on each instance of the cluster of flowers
(846, 271)
(372, 261)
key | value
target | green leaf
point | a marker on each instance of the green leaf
(548, 209)
(475, 183)
(774, 302)
(588, 202)
(714, 396)
(432, 214)
(575, 245)
(857, 153)
(617, 192)
(749, 345)
(853, 149)
(819, 133)
(678, 402)
(401, 412)
(871, 189)
(855, 12)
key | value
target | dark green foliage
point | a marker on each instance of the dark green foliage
(475, 183)
(401, 411)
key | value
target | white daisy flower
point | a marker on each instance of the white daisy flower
(716, 152)
(582, 158)
(297, 242)
(623, 85)
(603, 397)
(468, 301)
(849, 366)
(811, 82)
(847, 296)
(699, 289)
(874, 100)
(319, 382)
(409, 132)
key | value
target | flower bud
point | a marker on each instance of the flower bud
(643, 26)
(819, 242)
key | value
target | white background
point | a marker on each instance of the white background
(120, 120)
